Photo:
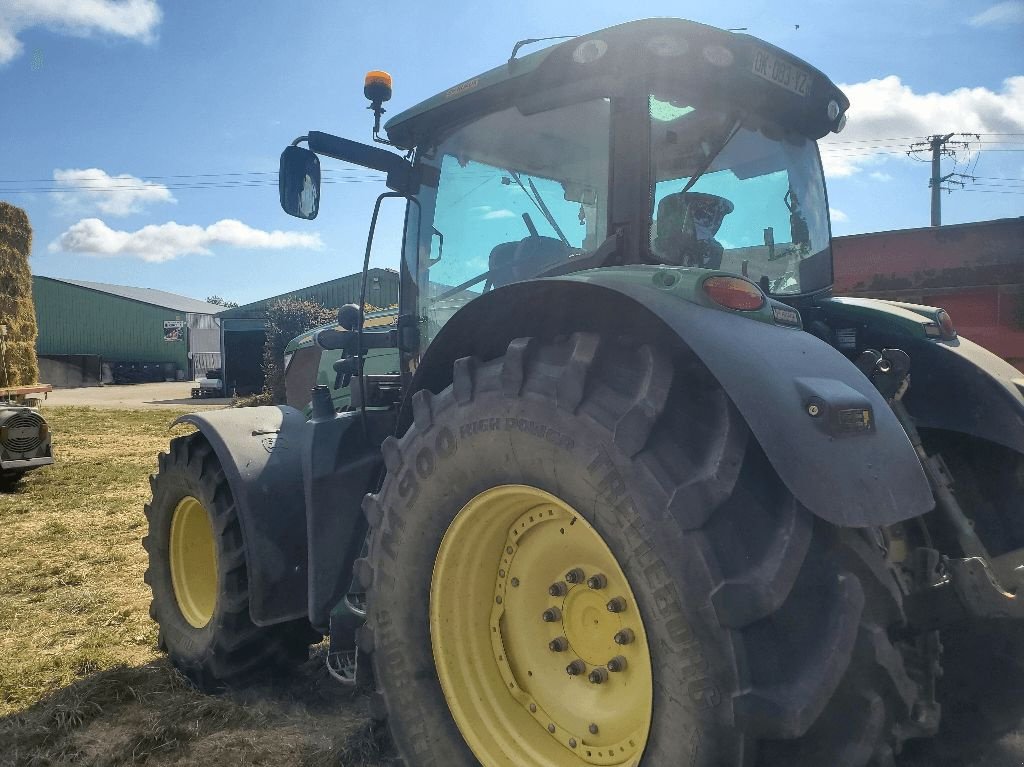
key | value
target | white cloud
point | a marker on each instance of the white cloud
(837, 216)
(498, 214)
(880, 176)
(133, 19)
(1011, 12)
(165, 242)
(114, 195)
(888, 109)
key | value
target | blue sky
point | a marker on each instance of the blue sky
(192, 102)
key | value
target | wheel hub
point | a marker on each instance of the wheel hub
(193, 559)
(571, 694)
(588, 625)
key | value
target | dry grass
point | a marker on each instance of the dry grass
(81, 679)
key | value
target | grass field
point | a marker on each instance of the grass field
(81, 680)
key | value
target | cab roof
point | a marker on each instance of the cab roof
(632, 53)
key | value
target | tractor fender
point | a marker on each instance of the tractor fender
(955, 384)
(260, 451)
(960, 386)
(850, 472)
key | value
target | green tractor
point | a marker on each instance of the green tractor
(635, 488)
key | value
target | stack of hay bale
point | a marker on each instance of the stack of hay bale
(18, 364)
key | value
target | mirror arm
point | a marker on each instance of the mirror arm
(399, 169)
(299, 140)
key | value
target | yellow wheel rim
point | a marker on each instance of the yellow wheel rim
(193, 558)
(536, 635)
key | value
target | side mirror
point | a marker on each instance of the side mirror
(298, 182)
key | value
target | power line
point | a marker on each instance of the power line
(997, 178)
(85, 188)
(906, 138)
(987, 191)
(1012, 185)
(105, 178)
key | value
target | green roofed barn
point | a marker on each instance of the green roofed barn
(92, 331)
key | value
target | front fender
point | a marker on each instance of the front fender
(260, 451)
(860, 474)
(955, 384)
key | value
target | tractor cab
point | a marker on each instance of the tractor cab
(660, 142)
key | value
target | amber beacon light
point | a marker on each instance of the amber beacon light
(377, 86)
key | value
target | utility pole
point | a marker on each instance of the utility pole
(937, 143)
(938, 146)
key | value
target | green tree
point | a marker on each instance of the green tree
(286, 319)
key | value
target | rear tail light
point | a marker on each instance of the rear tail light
(734, 293)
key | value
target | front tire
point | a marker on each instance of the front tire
(765, 630)
(198, 576)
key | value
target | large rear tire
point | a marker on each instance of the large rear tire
(760, 634)
(198, 576)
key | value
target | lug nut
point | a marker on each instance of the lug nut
(515, 582)
(616, 605)
(558, 644)
(598, 581)
(551, 728)
(558, 589)
(576, 668)
(598, 676)
(551, 615)
(575, 576)
(592, 728)
(625, 636)
(616, 664)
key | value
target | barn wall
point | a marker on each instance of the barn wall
(77, 320)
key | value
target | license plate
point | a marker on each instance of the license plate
(781, 72)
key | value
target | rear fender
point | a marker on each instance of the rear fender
(852, 475)
(260, 451)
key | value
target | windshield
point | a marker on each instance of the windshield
(515, 195)
(511, 196)
(737, 196)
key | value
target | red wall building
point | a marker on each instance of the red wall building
(974, 271)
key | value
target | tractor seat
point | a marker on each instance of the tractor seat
(525, 258)
(686, 227)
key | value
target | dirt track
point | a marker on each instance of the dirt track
(176, 394)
